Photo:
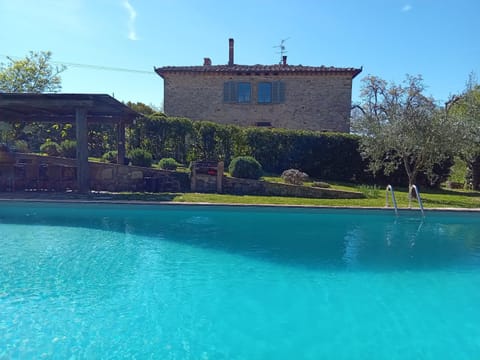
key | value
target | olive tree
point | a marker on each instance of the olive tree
(465, 108)
(401, 126)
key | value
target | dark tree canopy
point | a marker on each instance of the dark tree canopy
(465, 108)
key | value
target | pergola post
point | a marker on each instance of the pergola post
(78, 109)
(121, 143)
(83, 177)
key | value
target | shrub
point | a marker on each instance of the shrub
(21, 146)
(110, 156)
(51, 148)
(68, 149)
(140, 157)
(168, 164)
(315, 153)
(294, 176)
(245, 167)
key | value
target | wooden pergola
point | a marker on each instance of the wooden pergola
(78, 109)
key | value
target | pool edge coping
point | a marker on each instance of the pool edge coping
(170, 203)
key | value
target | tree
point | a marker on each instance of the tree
(399, 125)
(142, 108)
(34, 73)
(465, 108)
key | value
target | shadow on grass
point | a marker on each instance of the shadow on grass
(453, 192)
(449, 203)
(138, 196)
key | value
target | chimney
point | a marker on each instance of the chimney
(207, 61)
(284, 59)
(230, 52)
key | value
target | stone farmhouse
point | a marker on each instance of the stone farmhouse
(282, 95)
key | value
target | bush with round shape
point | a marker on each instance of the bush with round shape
(245, 167)
(68, 149)
(21, 146)
(110, 156)
(140, 157)
(294, 176)
(168, 164)
(51, 148)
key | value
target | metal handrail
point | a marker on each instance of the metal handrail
(419, 199)
(394, 201)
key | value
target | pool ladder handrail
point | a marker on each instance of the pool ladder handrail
(419, 199)
(394, 201)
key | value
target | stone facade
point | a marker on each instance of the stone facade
(314, 98)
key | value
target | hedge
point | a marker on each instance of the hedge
(322, 155)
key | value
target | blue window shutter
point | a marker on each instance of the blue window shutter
(244, 92)
(226, 92)
(278, 92)
(264, 94)
(281, 92)
(229, 93)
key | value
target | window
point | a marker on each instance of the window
(271, 92)
(264, 93)
(244, 91)
(229, 92)
(237, 92)
(278, 92)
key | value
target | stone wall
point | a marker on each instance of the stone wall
(236, 186)
(33, 172)
(53, 173)
(113, 177)
(206, 176)
(312, 102)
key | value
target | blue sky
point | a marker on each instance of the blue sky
(389, 38)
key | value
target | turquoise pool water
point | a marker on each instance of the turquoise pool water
(98, 281)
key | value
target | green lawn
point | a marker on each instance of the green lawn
(376, 198)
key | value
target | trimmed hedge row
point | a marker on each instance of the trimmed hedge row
(327, 156)
(330, 156)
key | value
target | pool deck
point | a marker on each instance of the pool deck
(100, 198)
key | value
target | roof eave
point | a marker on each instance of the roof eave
(235, 70)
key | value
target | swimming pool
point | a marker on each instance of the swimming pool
(198, 282)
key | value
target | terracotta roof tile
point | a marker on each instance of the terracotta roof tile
(246, 69)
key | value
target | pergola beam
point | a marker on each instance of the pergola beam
(59, 119)
(53, 104)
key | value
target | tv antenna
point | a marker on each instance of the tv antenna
(282, 51)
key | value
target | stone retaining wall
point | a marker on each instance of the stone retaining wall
(236, 186)
(36, 172)
(113, 177)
